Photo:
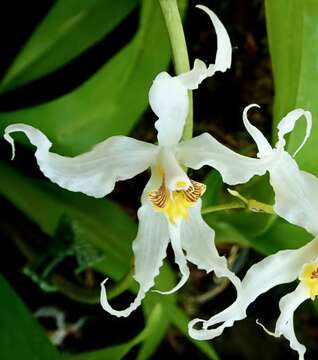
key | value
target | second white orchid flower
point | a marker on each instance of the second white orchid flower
(296, 200)
(171, 205)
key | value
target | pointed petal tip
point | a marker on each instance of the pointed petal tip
(104, 282)
(264, 147)
(197, 334)
(119, 313)
(204, 333)
(202, 7)
(206, 9)
(265, 328)
(246, 109)
(9, 139)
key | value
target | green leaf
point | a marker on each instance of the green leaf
(21, 336)
(281, 235)
(99, 222)
(294, 50)
(112, 100)
(214, 186)
(70, 27)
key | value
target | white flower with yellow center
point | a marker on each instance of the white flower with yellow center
(296, 199)
(171, 204)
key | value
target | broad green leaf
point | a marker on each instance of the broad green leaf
(99, 221)
(281, 235)
(285, 38)
(21, 335)
(112, 100)
(70, 27)
(293, 38)
(243, 229)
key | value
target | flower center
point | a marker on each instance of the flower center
(175, 204)
(309, 277)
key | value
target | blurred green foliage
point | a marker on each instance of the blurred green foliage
(21, 335)
(69, 29)
(111, 102)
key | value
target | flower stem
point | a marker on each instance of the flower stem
(180, 56)
(222, 207)
(251, 204)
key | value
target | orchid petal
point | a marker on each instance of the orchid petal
(93, 173)
(282, 267)
(234, 168)
(264, 148)
(285, 323)
(169, 100)
(296, 193)
(223, 59)
(180, 259)
(149, 248)
(198, 242)
(287, 124)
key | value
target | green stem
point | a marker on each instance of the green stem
(180, 56)
(251, 205)
(75, 292)
(222, 207)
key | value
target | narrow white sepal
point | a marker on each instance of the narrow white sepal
(234, 168)
(285, 323)
(95, 172)
(223, 59)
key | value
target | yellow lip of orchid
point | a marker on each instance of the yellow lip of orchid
(175, 204)
(309, 277)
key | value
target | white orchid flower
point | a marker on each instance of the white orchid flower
(296, 199)
(171, 204)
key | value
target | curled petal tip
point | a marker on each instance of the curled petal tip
(264, 328)
(251, 106)
(104, 282)
(264, 148)
(11, 142)
(199, 6)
